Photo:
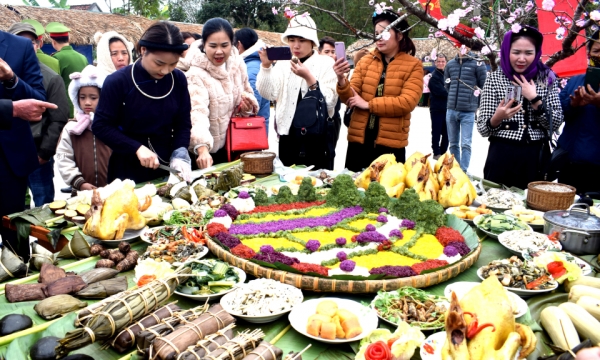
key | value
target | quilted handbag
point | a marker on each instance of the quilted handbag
(246, 134)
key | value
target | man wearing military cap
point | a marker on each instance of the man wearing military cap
(70, 61)
(46, 133)
(47, 60)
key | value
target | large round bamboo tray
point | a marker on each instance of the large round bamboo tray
(312, 283)
(544, 200)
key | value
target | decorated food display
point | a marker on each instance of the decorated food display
(412, 306)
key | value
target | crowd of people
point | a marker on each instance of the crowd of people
(172, 106)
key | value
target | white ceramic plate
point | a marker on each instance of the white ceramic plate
(443, 302)
(586, 269)
(129, 236)
(145, 238)
(462, 287)
(502, 240)
(489, 233)
(292, 176)
(434, 342)
(534, 226)
(523, 292)
(228, 299)
(366, 316)
(452, 209)
(214, 297)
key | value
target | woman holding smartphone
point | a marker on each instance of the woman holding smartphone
(309, 74)
(517, 125)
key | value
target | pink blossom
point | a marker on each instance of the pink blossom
(476, 18)
(383, 4)
(528, 6)
(509, 1)
(595, 15)
(488, 49)
(563, 82)
(438, 33)
(463, 49)
(430, 37)
(548, 5)
(561, 31)
(510, 20)
(371, 2)
(385, 35)
(476, 92)
(289, 13)
(274, 10)
(295, 2)
(391, 1)
(502, 11)
(431, 29)
(464, 4)
(479, 32)
(580, 22)
(515, 28)
(433, 53)
(378, 9)
(305, 15)
(468, 10)
(442, 24)
(453, 20)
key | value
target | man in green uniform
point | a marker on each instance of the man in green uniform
(47, 60)
(70, 60)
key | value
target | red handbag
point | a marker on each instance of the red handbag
(246, 134)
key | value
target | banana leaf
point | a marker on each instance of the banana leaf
(35, 216)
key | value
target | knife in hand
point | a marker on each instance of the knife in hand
(169, 169)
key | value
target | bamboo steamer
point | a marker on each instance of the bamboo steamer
(318, 284)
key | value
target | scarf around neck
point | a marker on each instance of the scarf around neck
(84, 121)
(537, 69)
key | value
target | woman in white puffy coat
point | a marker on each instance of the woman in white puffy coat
(218, 84)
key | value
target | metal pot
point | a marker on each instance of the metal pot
(578, 231)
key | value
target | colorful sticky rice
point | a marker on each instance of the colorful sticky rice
(325, 237)
(384, 257)
(276, 242)
(285, 207)
(427, 246)
(314, 212)
(362, 223)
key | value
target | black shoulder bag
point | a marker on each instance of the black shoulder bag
(311, 115)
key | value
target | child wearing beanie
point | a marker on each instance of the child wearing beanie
(82, 158)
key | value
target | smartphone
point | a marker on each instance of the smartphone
(513, 93)
(592, 77)
(340, 50)
(279, 53)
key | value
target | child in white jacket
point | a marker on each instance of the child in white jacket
(82, 159)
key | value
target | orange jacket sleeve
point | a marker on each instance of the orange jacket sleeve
(396, 106)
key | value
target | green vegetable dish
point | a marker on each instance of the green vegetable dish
(413, 306)
(209, 277)
(499, 223)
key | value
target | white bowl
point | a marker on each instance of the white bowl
(523, 292)
(214, 297)
(489, 233)
(502, 240)
(228, 298)
(462, 287)
(367, 318)
(145, 238)
(130, 236)
(436, 342)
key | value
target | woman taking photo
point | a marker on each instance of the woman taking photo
(385, 88)
(218, 84)
(517, 129)
(289, 82)
(113, 52)
(144, 110)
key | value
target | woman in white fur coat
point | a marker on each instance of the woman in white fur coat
(113, 52)
(218, 84)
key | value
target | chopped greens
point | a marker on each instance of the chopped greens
(210, 277)
(499, 223)
(413, 306)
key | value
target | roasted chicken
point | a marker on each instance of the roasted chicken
(119, 212)
(481, 326)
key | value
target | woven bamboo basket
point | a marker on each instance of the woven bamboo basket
(544, 200)
(306, 282)
(258, 162)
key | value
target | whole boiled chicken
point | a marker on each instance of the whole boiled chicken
(456, 188)
(392, 179)
(374, 171)
(119, 212)
(446, 160)
(481, 326)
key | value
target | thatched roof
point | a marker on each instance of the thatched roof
(84, 24)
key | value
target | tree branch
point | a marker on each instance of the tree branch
(567, 44)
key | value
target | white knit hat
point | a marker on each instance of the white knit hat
(302, 26)
(89, 76)
(105, 64)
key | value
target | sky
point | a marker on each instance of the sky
(101, 3)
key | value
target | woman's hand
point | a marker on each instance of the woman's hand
(585, 96)
(204, 159)
(588, 354)
(147, 158)
(527, 88)
(300, 70)
(357, 101)
(87, 186)
(264, 59)
(504, 111)
(246, 105)
(341, 68)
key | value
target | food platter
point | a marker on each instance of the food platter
(214, 297)
(440, 303)
(367, 318)
(460, 288)
(586, 268)
(521, 214)
(523, 292)
(453, 209)
(494, 235)
(130, 236)
(296, 179)
(147, 239)
(518, 241)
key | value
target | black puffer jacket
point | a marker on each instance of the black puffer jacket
(472, 74)
(438, 95)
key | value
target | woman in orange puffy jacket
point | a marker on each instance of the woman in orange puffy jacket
(385, 88)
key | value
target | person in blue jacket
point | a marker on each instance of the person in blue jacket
(144, 110)
(247, 42)
(581, 134)
(20, 78)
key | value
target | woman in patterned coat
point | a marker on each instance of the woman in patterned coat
(517, 129)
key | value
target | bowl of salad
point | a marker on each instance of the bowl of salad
(495, 224)
(210, 280)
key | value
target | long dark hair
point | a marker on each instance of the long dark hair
(215, 25)
(162, 35)
(406, 44)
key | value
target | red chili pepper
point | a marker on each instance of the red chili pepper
(429, 349)
(556, 269)
(474, 328)
(537, 282)
(199, 236)
(185, 234)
